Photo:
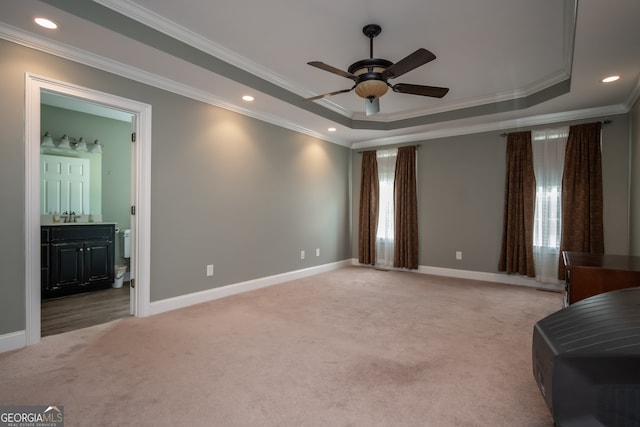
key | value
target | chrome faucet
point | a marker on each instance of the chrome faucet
(69, 217)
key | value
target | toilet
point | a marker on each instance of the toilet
(125, 251)
(125, 243)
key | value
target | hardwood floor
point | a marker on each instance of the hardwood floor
(80, 311)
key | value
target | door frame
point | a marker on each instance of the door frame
(141, 182)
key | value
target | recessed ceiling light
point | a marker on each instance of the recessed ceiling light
(610, 79)
(46, 23)
(331, 129)
(247, 98)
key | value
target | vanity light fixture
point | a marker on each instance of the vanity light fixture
(70, 144)
(610, 79)
(46, 140)
(96, 147)
(80, 145)
(46, 23)
(64, 142)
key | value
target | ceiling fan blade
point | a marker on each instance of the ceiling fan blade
(408, 63)
(326, 95)
(331, 69)
(372, 106)
(436, 92)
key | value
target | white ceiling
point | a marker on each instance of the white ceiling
(508, 63)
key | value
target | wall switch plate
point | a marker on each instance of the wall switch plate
(210, 270)
(317, 251)
(301, 254)
(458, 255)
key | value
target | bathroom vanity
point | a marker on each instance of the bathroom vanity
(76, 257)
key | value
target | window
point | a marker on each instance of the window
(548, 203)
(385, 233)
(548, 163)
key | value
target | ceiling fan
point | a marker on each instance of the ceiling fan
(371, 75)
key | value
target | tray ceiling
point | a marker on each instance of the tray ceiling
(507, 62)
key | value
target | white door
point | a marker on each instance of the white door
(65, 184)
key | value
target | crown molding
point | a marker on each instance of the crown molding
(531, 89)
(170, 28)
(140, 23)
(438, 129)
(634, 94)
(496, 126)
(174, 30)
(178, 32)
(61, 50)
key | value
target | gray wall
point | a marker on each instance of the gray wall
(226, 189)
(634, 118)
(615, 183)
(461, 193)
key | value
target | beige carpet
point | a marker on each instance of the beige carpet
(352, 347)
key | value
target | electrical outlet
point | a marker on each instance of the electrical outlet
(317, 251)
(210, 270)
(301, 254)
(458, 255)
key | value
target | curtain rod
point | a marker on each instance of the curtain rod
(604, 123)
(417, 146)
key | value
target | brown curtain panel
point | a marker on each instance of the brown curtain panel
(369, 201)
(405, 253)
(582, 225)
(516, 255)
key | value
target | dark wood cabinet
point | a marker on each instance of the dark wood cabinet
(592, 274)
(44, 257)
(76, 258)
(66, 265)
(99, 261)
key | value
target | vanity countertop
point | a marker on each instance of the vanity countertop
(51, 223)
(47, 220)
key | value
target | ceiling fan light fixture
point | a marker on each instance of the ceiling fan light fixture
(371, 75)
(371, 89)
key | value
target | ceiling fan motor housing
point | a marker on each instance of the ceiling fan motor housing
(370, 82)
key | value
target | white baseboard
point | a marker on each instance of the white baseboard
(233, 289)
(13, 341)
(507, 279)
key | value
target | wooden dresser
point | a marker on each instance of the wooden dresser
(592, 274)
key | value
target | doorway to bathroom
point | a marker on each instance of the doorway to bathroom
(85, 176)
(119, 194)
